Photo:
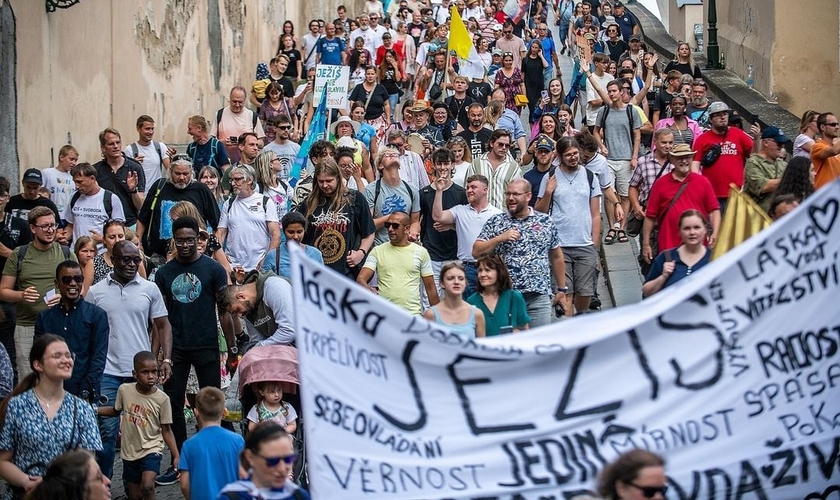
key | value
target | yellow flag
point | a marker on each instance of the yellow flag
(743, 219)
(460, 39)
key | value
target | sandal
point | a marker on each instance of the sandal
(609, 239)
(622, 236)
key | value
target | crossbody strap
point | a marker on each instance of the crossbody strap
(676, 197)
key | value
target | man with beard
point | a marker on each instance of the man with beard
(529, 244)
(29, 279)
(401, 266)
(476, 135)
(338, 220)
(825, 153)
(153, 222)
(573, 202)
(264, 300)
(698, 109)
(120, 175)
(190, 284)
(131, 302)
(282, 145)
(735, 147)
(84, 327)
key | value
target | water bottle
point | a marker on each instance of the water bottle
(722, 60)
(750, 77)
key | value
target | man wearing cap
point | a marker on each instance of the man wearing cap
(735, 147)
(19, 205)
(764, 169)
(572, 198)
(282, 145)
(825, 153)
(625, 21)
(636, 53)
(670, 196)
(330, 49)
(511, 43)
(432, 136)
(495, 64)
(542, 150)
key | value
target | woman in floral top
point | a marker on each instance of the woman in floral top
(42, 420)
(510, 80)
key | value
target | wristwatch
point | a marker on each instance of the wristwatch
(169, 361)
(563, 289)
(233, 349)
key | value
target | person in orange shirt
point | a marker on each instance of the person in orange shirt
(825, 153)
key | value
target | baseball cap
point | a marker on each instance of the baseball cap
(618, 4)
(497, 27)
(32, 175)
(386, 35)
(345, 142)
(776, 134)
(428, 19)
(543, 142)
(635, 38)
(681, 150)
(717, 107)
(497, 52)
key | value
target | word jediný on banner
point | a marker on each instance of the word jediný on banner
(733, 375)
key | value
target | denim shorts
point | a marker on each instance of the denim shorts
(133, 469)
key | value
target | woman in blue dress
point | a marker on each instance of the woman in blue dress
(41, 420)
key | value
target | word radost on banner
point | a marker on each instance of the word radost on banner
(333, 80)
(733, 375)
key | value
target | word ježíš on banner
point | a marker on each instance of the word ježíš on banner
(733, 376)
(334, 80)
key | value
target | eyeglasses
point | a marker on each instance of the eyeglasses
(180, 242)
(650, 491)
(64, 355)
(283, 127)
(392, 225)
(503, 144)
(128, 260)
(69, 279)
(507, 32)
(50, 227)
(831, 124)
(516, 195)
(275, 461)
(237, 179)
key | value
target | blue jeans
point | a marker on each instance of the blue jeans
(394, 100)
(109, 426)
(472, 279)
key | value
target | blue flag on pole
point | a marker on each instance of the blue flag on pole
(317, 131)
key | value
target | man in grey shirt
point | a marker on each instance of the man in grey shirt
(617, 130)
(282, 146)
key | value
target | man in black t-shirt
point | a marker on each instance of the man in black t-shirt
(476, 135)
(442, 245)
(190, 284)
(21, 204)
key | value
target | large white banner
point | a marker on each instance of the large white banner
(732, 375)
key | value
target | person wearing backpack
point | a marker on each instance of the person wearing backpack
(234, 120)
(152, 155)
(29, 280)
(120, 175)
(391, 194)
(91, 207)
(571, 195)
(248, 227)
(618, 132)
(205, 149)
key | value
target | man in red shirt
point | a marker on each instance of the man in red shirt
(670, 196)
(735, 147)
(825, 153)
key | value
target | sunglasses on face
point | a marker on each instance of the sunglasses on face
(650, 491)
(128, 260)
(275, 461)
(69, 279)
(392, 225)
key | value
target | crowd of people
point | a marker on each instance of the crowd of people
(430, 190)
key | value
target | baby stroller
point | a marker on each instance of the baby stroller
(277, 363)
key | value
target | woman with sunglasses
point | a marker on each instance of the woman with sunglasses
(269, 456)
(635, 475)
(112, 232)
(275, 104)
(41, 420)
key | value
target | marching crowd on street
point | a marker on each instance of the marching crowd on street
(449, 187)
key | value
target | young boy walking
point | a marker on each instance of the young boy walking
(209, 459)
(145, 427)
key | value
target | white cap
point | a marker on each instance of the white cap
(346, 142)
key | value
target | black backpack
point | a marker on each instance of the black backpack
(107, 201)
(603, 122)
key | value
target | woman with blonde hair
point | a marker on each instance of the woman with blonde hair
(267, 167)
(683, 62)
(807, 134)
(463, 159)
